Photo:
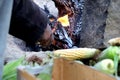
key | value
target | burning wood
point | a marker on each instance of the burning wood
(62, 40)
(60, 28)
(61, 37)
(64, 7)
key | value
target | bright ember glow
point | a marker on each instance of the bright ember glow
(64, 21)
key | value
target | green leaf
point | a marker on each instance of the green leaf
(116, 60)
(10, 68)
(11, 77)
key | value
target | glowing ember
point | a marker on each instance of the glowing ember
(64, 21)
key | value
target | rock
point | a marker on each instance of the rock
(50, 5)
(16, 48)
(93, 23)
(113, 21)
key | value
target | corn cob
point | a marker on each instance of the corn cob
(109, 53)
(78, 53)
(106, 66)
(114, 41)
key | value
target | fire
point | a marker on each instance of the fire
(64, 20)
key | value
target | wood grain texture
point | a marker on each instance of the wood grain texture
(70, 70)
(24, 75)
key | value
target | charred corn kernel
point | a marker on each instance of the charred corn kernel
(78, 53)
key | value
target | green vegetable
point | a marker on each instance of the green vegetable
(105, 66)
(110, 52)
(44, 76)
(116, 60)
(9, 70)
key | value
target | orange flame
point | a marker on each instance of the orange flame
(64, 20)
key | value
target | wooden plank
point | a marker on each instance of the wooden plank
(24, 75)
(70, 70)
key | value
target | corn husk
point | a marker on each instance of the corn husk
(105, 66)
(110, 52)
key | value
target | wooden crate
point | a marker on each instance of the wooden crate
(22, 74)
(70, 70)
